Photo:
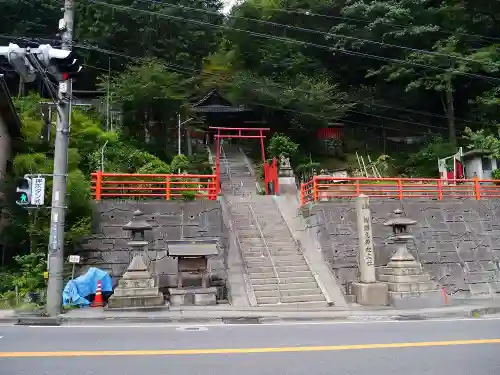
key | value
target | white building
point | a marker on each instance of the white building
(479, 164)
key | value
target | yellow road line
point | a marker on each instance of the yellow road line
(289, 349)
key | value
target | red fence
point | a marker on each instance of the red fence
(165, 186)
(324, 188)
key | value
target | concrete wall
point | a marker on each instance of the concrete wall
(108, 249)
(458, 241)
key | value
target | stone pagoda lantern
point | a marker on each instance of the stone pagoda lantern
(409, 285)
(137, 228)
(401, 236)
(137, 287)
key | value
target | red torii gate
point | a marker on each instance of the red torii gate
(270, 172)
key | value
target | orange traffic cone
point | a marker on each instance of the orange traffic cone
(98, 302)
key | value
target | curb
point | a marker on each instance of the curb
(247, 319)
(485, 311)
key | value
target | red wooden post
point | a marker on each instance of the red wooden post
(358, 187)
(440, 189)
(315, 189)
(167, 188)
(276, 177)
(217, 162)
(477, 188)
(400, 189)
(262, 146)
(98, 184)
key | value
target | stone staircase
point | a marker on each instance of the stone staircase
(276, 267)
(236, 178)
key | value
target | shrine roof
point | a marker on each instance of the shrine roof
(215, 102)
(193, 248)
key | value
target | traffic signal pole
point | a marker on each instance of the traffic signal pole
(57, 220)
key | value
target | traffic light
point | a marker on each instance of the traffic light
(23, 192)
(17, 58)
(63, 64)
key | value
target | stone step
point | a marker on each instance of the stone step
(136, 292)
(290, 299)
(279, 268)
(287, 292)
(261, 262)
(271, 280)
(258, 242)
(143, 301)
(272, 249)
(284, 275)
(405, 278)
(412, 287)
(273, 255)
(285, 286)
(296, 305)
(277, 259)
(399, 271)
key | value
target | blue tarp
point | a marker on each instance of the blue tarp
(76, 290)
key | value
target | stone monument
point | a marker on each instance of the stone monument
(409, 285)
(136, 289)
(368, 290)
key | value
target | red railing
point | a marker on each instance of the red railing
(322, 188)
(165, 186)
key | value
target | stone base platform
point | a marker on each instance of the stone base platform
(136, 301)
(371, 294)
(193, 296)
(416, 300)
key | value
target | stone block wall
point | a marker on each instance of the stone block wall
(457, 241)
(174, 220)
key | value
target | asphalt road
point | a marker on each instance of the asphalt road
(455, 347)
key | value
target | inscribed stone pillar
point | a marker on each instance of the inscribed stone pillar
(366, 258)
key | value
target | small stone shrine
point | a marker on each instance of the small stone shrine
(136, 289)
(409, 285)
(368, 290)
(192, 258)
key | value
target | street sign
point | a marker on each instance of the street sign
(38, 191)
(74, 259)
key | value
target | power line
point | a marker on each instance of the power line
(344, 18)
(187, 70)
(348, 121)
(289, 40)
(183, 69)
(326, 34)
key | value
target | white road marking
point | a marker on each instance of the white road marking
(192, 328)
(276, 323)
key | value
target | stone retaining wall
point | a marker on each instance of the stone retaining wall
(107, 248)
(458, 241)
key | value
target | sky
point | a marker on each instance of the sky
(227, 5)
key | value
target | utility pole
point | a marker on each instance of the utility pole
(57, 219)
(178, 134)
(179, 126)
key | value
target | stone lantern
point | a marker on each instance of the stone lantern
(137, 287)
(401, 236)
(137, 228)
(409, 285)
